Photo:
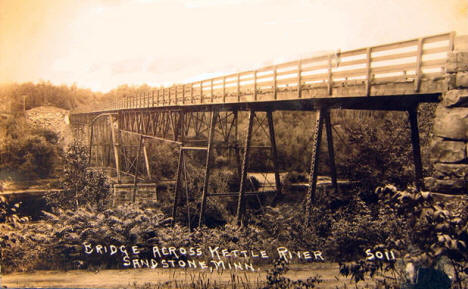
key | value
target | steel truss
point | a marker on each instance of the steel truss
(119, 140)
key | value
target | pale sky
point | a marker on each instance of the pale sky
(102, 44)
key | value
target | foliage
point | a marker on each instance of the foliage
(80, 185)
(18, 97)
(10, 222)
(275, 279)
(377, 149)
(372, 147)
(8, 212)
(434, 232)
(27, 153)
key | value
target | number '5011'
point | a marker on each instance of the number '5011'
(385, 255)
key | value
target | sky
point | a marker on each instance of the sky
(101, 44)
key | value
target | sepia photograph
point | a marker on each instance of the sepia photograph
(234, 144)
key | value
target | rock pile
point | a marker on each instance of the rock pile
(449, 146)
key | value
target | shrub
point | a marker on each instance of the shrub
(377, 149)
(434, 232)
(81, 186)
(27, 157)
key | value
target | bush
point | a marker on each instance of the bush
(28, 154)
(433, 232)
(377, 149)
(80, 185)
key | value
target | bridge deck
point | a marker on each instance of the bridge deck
(391, 76)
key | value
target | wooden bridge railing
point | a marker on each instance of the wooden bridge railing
(411, 60)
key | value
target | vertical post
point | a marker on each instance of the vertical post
(135, 177)
(179, 129)
(417, 81)
(451, 41)
(413, 119)
(91, 128)
(238, 87)
(109, 146)
(299, 79)
(369, 70)
(98, 143)
(147, 164)
(177, 185)
(201, 91)
(169, 95)
(152, 98)
(224, 89)
(236, 148)
(211, 90)
(191, 93)
(214, 115)
(274, 153)
(330, 77)
(183, 94)
(331, 149)
(115, 146)
(275, 84)
(255, 85)
(314, 166)
(245, 162)
(159, 90)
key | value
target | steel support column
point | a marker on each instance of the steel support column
(314, 165)
(177, 185)
(91, 127)
(115, 145)
(245, 162)
(274, 153)
(413, 119)
(147, 163)
(208, 165)
(135, 177)
(331, 149)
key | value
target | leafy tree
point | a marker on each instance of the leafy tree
(81, 186)
(26, 153)
(434, 232)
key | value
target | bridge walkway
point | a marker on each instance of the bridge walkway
(396, 76)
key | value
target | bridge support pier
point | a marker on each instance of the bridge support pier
(115, 144)
(208, 165)
(413, 120)
(323, 116)
(245, 161)
(274, 153)
(310, 197)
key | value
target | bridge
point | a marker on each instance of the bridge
(203, 116)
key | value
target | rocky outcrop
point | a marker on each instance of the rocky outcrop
(53, 118)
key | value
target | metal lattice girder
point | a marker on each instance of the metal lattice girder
(310, 197)
(245, 161)
(413, 120)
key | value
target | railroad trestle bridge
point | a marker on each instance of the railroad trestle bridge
(203, 117)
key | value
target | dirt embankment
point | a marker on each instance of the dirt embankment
(53, 118)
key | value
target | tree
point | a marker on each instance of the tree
(81, 186)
